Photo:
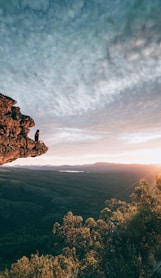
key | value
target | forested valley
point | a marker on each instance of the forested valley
(124, 241)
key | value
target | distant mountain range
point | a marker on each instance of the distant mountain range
(96, 167)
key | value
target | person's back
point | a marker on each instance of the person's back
(37, 136)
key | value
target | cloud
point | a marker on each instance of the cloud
(37, 5)
(75, 136)
(142, 138)
(70, 66)
(81, 68)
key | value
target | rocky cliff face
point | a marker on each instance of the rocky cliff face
(14, 128)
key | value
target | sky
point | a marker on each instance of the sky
(89, 74)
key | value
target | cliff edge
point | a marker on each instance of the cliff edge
(14, 128)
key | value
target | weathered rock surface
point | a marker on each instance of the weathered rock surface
(14, 128)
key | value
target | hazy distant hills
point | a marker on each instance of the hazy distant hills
(97, 167)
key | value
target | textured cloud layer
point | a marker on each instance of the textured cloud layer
(91, 67)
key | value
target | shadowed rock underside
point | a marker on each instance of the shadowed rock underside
(14, 128)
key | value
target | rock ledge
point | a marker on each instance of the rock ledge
(14, 128)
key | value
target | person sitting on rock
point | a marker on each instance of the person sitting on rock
(37, 136)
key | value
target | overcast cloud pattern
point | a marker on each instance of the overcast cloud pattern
(84, 69)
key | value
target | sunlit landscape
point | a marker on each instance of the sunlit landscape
(80, 139)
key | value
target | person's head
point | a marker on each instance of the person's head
(38, 130)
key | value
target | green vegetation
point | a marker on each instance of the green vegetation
(32, 200)
(125, 241)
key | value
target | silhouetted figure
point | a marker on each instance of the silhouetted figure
(37, 136)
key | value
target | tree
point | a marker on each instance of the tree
(42, 267)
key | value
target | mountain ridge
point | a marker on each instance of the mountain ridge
(95, 167)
